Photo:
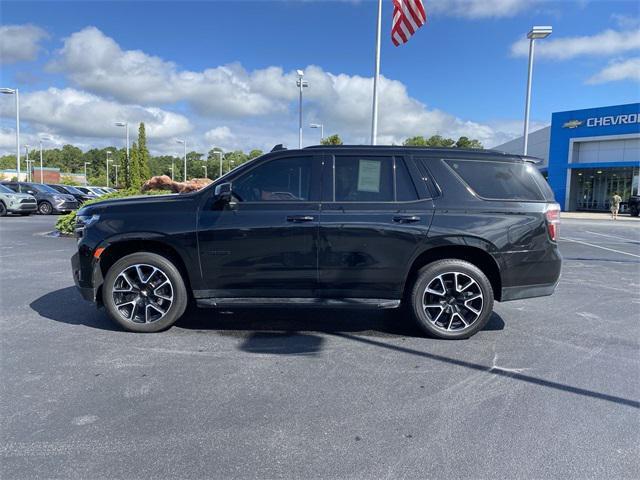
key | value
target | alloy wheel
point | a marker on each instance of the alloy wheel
(142, 293)
(452, 301)
(45, 208)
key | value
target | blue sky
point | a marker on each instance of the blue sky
(222, 72)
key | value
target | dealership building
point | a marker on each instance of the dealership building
(588, 155)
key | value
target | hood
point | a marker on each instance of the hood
(132, 202)
(19, 196)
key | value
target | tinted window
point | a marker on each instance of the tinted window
(58, 188)
(499, 180)
(39, 187)
(5, 189)
(72, 190)
(285, 179)
(362, 179)
(405, 190)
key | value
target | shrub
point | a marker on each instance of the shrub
(66, 223)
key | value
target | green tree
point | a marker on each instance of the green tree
(418, 141)
(465, 142)
(143, 154)
(255, 153)
(332, 140)
(135, 176)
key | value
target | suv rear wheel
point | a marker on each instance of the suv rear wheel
(451, 299)
(144, 292)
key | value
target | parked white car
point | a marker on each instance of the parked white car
(12, 202)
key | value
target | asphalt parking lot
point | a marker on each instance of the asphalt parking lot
(550, 389)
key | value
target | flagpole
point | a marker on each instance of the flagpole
(374, 110)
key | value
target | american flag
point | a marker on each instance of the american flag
(408, 16)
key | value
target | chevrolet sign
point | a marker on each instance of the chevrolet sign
(611, 120)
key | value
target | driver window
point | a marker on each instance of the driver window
(285, 179)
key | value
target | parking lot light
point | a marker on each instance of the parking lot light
(116, 167)
(321, 127)
(26, 152)
(536, 33)
(126, 126)
(41, 139)
(14, 91)
(301, 84)
(85, 172)
(108, 160)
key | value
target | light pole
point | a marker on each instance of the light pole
(301, 85)
(321, 127)
(205, 171)
(184, 142)
(126, 127)
(116, 167)
(217, 152)
(108, 160)
(26, 151)
(42, 137)
(14, 91)
(535, 34)
(85, 172)
(172, 167)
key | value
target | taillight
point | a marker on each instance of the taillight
(552, 214)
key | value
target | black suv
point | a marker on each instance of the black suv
(442, 232)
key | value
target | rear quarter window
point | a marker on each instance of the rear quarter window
(500, 180)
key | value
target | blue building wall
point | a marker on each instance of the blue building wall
(591, 122)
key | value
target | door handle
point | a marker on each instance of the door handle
(300, 218)
(406, 219)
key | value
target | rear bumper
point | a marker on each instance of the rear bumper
(527, 291)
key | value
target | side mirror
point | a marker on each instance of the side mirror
(223, 192)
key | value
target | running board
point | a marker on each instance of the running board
(298, 302)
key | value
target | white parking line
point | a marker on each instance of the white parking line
(598, 246)
(614, 236)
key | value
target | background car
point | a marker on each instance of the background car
(12, 202)
(634, 205)
(49, 200)
(97, 190)
(77, 194)
(87, 192)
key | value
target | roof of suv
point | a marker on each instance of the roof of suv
(478, 154)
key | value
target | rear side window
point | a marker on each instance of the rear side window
(362, 179)
(499, 180)
(405, 190)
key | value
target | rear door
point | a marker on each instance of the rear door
(373, 218)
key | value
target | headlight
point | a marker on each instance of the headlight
(59, 198)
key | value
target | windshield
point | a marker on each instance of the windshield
(71, 189)
(4, 189)
(42, 188)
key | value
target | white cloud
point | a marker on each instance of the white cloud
(71, 112)
(606, 43)
(479, 8)
(97, 63)
(618, 70)
(20, 42)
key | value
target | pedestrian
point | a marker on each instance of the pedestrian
(615, 205)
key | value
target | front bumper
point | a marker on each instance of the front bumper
(22, 207)
(87, 277)
(65, 207)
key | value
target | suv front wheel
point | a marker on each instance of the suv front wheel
(451, 299)
(144, 292)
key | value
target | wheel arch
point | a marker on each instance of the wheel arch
(118, 249)
(472, 254)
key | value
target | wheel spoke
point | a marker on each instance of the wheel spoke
(158, 299)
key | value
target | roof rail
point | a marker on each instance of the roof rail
(277, 147)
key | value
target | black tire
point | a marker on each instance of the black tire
(144, 293)
(45, 208)
(3, 210)
(450, 310)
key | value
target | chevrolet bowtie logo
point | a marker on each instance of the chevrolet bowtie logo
(573, 124)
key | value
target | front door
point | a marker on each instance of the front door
(263, 243)
(372, 222)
